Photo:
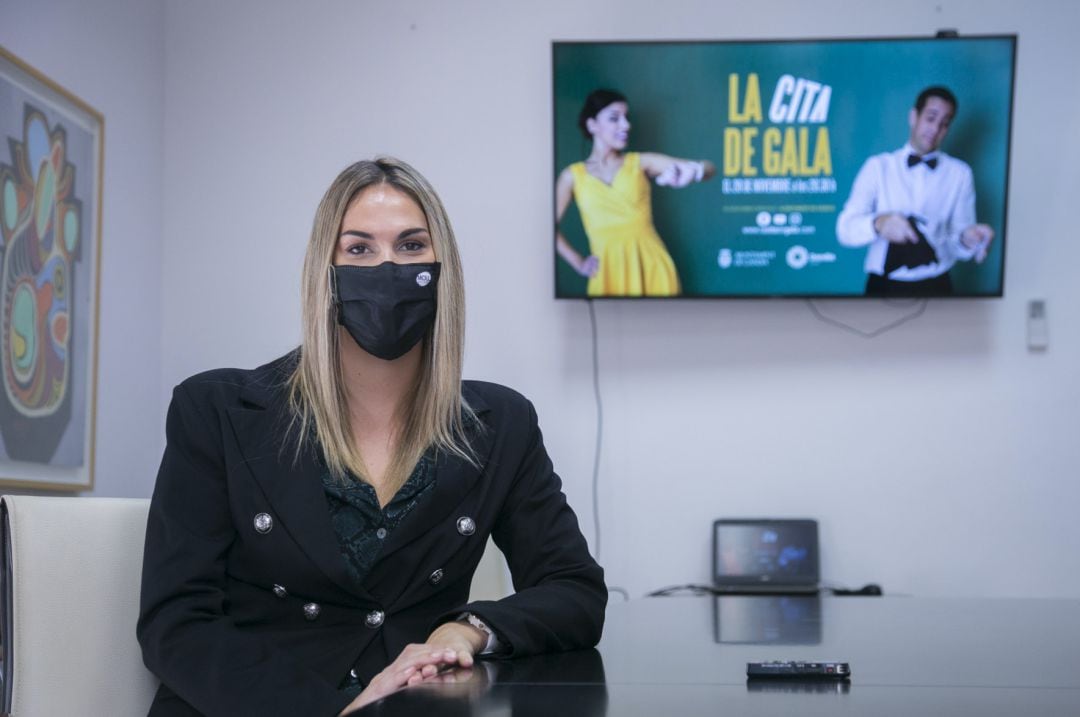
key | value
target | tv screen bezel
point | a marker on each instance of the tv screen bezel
(940, 36)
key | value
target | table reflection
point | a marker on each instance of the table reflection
(566, 684)
(794, 687)
(767, 620)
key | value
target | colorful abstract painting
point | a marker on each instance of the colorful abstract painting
(50, 199)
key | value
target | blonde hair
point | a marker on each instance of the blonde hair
(433, 413)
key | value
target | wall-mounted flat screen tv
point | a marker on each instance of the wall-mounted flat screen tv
(801, 168)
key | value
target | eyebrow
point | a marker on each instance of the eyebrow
(402, 235)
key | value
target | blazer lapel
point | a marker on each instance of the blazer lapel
(294, 490)
(296, 493)
(454, 478)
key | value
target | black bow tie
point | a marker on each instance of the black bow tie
(913, 159)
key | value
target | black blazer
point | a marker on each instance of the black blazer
(236, 620)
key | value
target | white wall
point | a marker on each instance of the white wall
(712, 408)
(110, 54)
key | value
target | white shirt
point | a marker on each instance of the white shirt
(942, 200)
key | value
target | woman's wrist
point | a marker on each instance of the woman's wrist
(459, 636)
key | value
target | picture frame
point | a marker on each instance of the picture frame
(52, 146)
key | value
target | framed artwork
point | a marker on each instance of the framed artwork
(51, 151)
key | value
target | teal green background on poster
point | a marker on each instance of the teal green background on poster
(679, 105)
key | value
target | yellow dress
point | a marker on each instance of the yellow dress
(618, 222)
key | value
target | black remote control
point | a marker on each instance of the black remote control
(792, 670)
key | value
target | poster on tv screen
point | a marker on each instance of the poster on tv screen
(804, 168)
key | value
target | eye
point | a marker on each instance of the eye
(358, 249)
(414, 243)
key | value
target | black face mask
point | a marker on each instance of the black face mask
(386, 308)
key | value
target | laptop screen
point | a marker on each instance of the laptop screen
(765, 553)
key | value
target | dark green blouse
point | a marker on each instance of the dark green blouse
(362, 527)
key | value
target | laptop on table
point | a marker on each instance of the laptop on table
(765, 556)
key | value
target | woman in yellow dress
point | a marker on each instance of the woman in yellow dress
(627, 257)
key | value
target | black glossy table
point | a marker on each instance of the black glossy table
(688, 655)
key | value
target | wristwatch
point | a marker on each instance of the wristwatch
(492, 640)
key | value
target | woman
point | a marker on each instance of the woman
(316, 521)
(626, 255)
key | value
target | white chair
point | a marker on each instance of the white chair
(70, 570)
(69, 600)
